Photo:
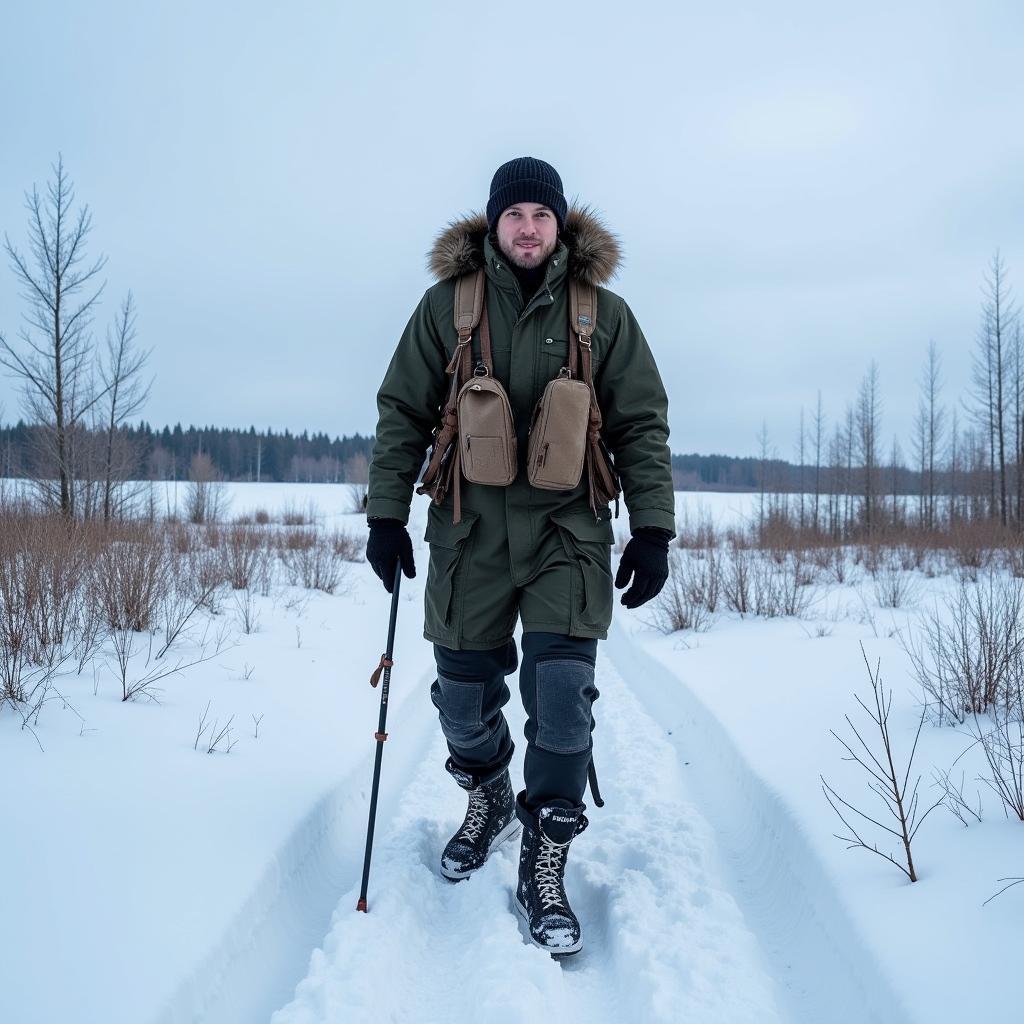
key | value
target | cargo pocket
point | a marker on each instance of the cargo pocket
(460, 708)
(589, 544)
(448, 542)
(565, 695)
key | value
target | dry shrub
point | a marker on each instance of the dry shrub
(295, 514)
(47, 569)
(972, 546)
(195, 581)
(205, 499)
(895, 586)
(1003, 746)
(683, 601)
(357, 494)
(970, 657)
(736, 578)
(313, 564)
(180, 538)
(781, 589)
(133, 573)
(244, 548)
(699, 533)
(261, 517)
(297, 540)
(348, 546)
(20, 674)
(1013, 558)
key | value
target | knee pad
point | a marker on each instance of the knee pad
(460, 708)
(565, 697)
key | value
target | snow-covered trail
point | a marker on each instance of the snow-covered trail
(266, 949)
(700, 899)
(664, 938)
(822, 966)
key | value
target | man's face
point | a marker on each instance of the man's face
(527, 234)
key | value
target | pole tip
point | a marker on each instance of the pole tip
(361, 905)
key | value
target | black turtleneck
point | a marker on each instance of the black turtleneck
(530, 279)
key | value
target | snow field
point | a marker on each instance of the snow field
(161, 884)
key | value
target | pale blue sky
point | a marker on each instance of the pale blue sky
(800, 187)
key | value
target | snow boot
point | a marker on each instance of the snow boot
(490, 820)
(540, 895)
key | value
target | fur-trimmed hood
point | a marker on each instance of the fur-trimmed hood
(594, 252)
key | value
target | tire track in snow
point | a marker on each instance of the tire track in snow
(664, 940)
(255, 964)
(826, 973)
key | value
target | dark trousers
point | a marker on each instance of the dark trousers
(556, 681)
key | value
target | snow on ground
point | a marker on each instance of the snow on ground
(147, 881)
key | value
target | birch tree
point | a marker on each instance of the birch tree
(53, 362)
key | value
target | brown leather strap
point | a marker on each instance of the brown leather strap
(485, 342)
(385, 662)
(469, 302)
(456, 485)
(582, 308)
(582, 323)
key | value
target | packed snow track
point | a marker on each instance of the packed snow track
(698, 897)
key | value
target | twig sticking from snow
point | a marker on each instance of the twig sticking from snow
(1012, 881)
(202, 726)
(953, 797)
(885, 782)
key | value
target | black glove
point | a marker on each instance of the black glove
(646, 560)
(388, 545)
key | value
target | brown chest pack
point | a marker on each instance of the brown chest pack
(476, 438)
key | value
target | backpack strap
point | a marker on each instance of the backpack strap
(582, 324)
(469, 304)
(469, 308)
(469, 311)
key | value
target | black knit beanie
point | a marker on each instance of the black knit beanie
(525, 180)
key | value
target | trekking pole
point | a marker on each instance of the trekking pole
(386, 661)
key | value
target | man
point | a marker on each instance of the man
(520, 552)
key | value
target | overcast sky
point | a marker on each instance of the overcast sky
(799, 187)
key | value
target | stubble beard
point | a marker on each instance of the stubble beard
(528, 262)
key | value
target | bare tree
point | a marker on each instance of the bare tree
(929, 428)
(764, 450)
(53, 365)
(896, 464)
(954, 465)
(867, 425)
(1018, 418)
(819, 430)
(126, 392)
(800, 443)
(990, 385)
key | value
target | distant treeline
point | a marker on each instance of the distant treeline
(248, 454)
(749, 473)
(167, 453)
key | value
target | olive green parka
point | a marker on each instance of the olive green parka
(529, 347)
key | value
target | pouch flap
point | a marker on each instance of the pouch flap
(446, 534)
(582, 526)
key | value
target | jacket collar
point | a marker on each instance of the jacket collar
(587, 250)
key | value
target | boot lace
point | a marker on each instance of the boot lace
(476, 815)
(550, 867)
